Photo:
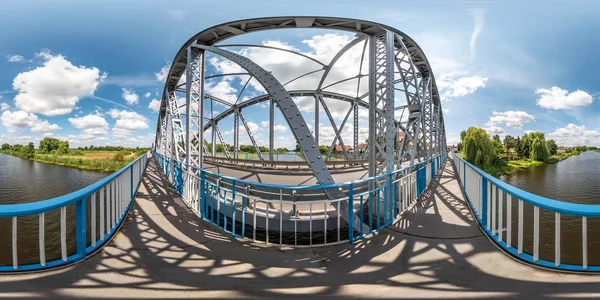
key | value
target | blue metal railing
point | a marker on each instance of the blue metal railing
(491, 201)
(299, 215)
(109, 201)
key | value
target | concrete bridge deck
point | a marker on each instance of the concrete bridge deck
(165, 251)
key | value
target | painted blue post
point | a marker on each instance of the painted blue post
(484, 205)
(225, 210)
(131, 181)
(465, 176)
(392, 198)
(351, 213)
(80, 227)
(202, 197)
(361, 215)
(371, 211)
(244, 200)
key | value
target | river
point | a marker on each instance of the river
(574, 179)
(24, 181)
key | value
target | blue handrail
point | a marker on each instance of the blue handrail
(110, 199)
(575, 209)
(31, 208)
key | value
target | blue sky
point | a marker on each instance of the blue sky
(509, 67)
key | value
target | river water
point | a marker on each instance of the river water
(24, 181)
(575, 179)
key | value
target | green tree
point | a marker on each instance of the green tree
(63, 147)
(478, 148)
(6, 147)
(552, 147)
(462, 135)
(509, 142)
(524, 146)
(539, 150)
(48, 145)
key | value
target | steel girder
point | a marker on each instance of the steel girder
(382, 125)
(194, 107)
(394, 59)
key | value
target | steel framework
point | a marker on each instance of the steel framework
(397, 71)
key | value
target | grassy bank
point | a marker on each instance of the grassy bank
(105, 161)
(505, 167)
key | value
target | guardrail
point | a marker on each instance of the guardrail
(99, 211)
(494, 204)
(281, 164)
(298, 215)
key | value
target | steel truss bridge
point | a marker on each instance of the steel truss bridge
(428, 212)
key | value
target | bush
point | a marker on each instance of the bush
(120, 156)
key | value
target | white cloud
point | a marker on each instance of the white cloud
(253, 127)
(514, 119)
(147, 95)
(130, 96)
(16, 120)
(221, 89)
(446, 110)
(15, 58)
(127, 121)
(495, 130)
(279, 128)
(56, 87)
(451, 88)
(4, 106)
(162, 74)
(573, 135)
(287, 66)
(91, 124)
(264, 124)
(154, 105)
(479, 19)
(557, 98)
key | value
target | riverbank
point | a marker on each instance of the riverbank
(511, 166)
(103, 161)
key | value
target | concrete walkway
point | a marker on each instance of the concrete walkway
(166, 251)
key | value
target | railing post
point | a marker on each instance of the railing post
(131, 181)
(80, 227)
(484, 204)
(203, 199)
(351, 213)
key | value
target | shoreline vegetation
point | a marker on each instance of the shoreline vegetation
(56, 152)
(512, 154)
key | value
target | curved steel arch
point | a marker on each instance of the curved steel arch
(391, 53)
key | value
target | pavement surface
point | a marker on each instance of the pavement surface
(435, 251)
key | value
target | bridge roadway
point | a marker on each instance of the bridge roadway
(164, 251)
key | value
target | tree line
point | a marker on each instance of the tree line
(55, 146)
(482, 150)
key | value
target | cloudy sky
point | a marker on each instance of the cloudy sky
(91, 71)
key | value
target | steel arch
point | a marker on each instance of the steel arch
(393, 59)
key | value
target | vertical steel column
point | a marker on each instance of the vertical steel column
(355, 126)
(388, 102)
(213, 131)
(372, 142)
(194, 105)
(316, 133)
(271, 125)
(188, 105)
(236, 132)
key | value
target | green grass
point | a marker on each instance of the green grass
(105, 165)
(508, 167)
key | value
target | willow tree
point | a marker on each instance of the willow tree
(539, 149)
(477, 147)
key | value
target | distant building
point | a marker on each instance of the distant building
(339, 150)
(563, 149)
